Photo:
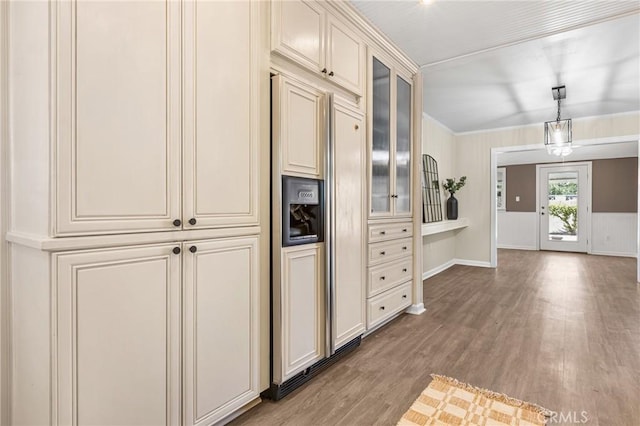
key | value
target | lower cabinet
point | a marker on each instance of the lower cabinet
(300, 341)
(220, 328)
(164, 334)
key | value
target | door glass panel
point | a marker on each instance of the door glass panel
(381, 128)
(562, 193)
(403, 147)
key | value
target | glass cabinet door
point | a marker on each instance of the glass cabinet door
(403, 148)
(381, 129)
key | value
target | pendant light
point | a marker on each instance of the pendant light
(557, 134)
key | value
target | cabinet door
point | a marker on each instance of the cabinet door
(221, 113)
(345, 56)
(118, 106)
(380, 161)
(297, 32)
(220, 328)
(402, 166)
(349, 257)
(118, 337)
(302, 301)
(298, 127)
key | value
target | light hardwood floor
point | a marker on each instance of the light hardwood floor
(558, 329)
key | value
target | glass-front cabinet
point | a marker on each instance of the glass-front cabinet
(391, 135)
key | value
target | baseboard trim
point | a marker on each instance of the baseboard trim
(464, 262)
(509, 247)
(416, 309)
(477, 263)
(613, 253)
(438, 269)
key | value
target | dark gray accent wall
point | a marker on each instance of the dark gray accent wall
(615, 185)
(521, 182)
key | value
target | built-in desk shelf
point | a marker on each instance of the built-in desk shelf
(444, 226)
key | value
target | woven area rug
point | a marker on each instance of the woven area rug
(447, 401)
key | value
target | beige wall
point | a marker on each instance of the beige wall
(473, 160)
(439, 142)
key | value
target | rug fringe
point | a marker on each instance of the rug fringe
(493, 395)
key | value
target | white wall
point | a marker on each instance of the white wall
(473, 160)
(517, 230)
(439, 142)
(614, 234)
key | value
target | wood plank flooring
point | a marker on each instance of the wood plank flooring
(558, 329)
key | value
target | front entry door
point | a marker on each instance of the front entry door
(564, 207)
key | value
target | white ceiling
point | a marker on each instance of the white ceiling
(580, 153)
(491, 64)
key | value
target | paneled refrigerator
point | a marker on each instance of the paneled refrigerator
(318, 231)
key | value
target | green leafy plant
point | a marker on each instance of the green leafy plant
(568, 215)
(563, 188)
(452, 186)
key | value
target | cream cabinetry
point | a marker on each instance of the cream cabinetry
(298, 128)
(301, 307)
(391, 136)
(117, 335)
(138, 256)
(349, 164)
(390, 279)
(159, 334)
(127, 111)
(304, 32)
(220, 343)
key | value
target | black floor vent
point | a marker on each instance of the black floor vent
(277, 392)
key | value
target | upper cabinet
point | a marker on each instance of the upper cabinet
(118, 116)
(390, 112)
(298, 127)
(156, 116)
(306, 34)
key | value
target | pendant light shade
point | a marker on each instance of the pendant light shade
(557, 134)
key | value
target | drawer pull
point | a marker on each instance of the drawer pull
(404, 269)
(404, 230)
(382, 308)
(404, 296)
(382, 278)
(383, 232)
(404, 248)
(382, 253)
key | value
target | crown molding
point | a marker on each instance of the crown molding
(377, 37)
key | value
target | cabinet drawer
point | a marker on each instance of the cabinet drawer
(387, 304)
(390, 231)
(389, 275)
(389, 250)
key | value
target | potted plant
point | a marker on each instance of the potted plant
(452, 203)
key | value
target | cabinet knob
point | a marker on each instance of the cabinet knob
(404, 230)
(382, 278)
(177, 222)
(382, 253)
(404, 248)
(192, 221)
(324, 70)
(331, 74)
(404, 296)
(193, 249)
(176, 250)
(404, 269)
(383, 232)
(382, 308)
(357, 127)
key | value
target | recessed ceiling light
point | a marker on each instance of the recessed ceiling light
(426, 2)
